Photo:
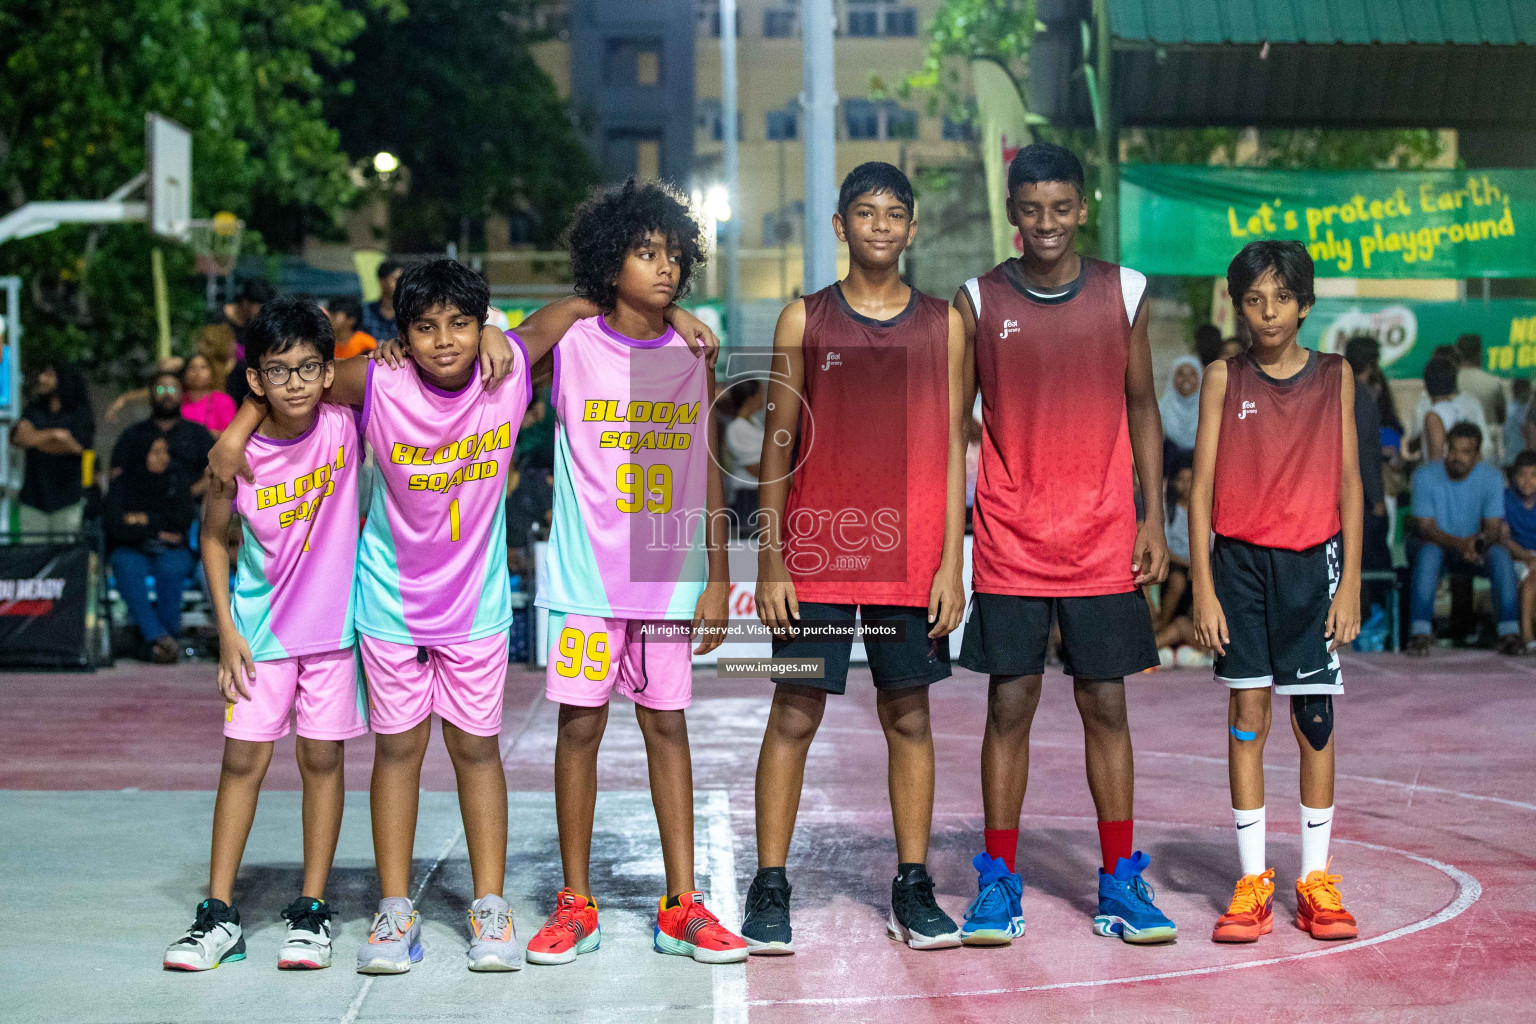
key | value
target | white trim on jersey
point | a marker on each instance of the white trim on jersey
(973, 289)
(1133, 285)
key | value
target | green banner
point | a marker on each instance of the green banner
(1446, 224)
(1409, 331)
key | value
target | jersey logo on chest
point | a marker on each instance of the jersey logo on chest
(1009, 327)
(1248, 409)
(833, 359)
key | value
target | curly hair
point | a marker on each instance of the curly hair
(612, 222)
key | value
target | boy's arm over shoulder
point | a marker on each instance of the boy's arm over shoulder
(350, 385)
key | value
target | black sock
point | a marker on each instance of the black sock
(906, 874)
(672, 902)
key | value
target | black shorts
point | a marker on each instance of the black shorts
(910, 659)
(1102, 637)
(1276, 605)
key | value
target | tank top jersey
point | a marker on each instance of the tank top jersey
(292, 592)
(1055, 512)
(626, 540)
(433, 554)
(864, 519)
(1280, 455)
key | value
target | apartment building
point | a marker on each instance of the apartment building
(645, 76)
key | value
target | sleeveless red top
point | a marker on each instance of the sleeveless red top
(1055, 510)
(864, 520)
(1280, 457)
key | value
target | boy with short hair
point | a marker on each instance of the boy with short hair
(877, 366)
(637, 550)
(285, 645)
(345, 313)
(1068, 405)
(1277, 480)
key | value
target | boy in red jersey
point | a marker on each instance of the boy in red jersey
(1065, 373)
(1277, 479)
(873, 523)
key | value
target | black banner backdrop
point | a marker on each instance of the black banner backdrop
(44, 602)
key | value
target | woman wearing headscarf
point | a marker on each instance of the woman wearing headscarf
(1180, 408)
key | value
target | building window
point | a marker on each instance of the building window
(708, 119)
(707, 17)
(784, 226)
(958, 131)
(783, 125)
(648, 159)
(647, 68)
(632, 62)
(881, 17)
(782, 21)
(870, 121)
(632, 154)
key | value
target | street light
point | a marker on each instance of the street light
(385, 162)
(717, 203)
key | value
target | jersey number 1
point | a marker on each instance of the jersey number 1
(453, 519)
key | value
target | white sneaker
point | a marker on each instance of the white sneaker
(308, 945)
(1165, 657)
(214, 938)
(1191, 657)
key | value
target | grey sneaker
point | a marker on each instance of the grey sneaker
(394, 943)
(214, 938)
(494, 945)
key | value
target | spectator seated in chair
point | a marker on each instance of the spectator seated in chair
(1458, 527)
(148, 517)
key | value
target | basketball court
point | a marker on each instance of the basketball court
(108, 791)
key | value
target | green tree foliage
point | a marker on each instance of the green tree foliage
(453, 91)
(75, 83)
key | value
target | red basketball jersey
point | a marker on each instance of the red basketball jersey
(1055, 511)
(864, 520)
(1280, 456)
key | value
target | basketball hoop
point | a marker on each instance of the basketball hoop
(216, 242)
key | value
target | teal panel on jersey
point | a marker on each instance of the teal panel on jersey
(571, 580)
(377, 607)
(251, 603)
(690, 585)
(494, 612)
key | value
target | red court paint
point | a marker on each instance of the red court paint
(1435, 826)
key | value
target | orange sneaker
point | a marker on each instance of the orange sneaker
(689, 929)
(1320, 908)
(570, 930)
(1252, 911)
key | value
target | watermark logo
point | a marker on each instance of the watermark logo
(1009, 327)
(1248, 409)
(833, 359)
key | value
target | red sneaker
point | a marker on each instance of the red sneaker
(1252, 911)
(570, 930)
(689, 929)
(1320, 908)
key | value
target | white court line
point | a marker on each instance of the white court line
(730, 980)
(356, 1006)
(1469, 889)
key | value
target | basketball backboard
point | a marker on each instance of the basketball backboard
(168, 159)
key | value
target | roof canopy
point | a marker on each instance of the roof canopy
(1466, 64)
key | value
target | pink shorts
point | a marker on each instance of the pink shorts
(321, 688)
(591, 658)
(463, 683)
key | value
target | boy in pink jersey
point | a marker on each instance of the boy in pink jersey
(637, 558)
(283, 646)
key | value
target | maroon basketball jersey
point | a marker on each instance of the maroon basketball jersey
(864, 521)
(1055, 511)
(1281, 453)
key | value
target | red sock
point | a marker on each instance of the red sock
(1114, 842)
(1003, 843)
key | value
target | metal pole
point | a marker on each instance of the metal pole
(819, 100)
(1109, 139)
(729, 115)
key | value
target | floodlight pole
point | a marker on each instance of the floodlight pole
(729, 116)
(819, 100)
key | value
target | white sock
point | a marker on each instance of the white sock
(1316, 827)
(1250, 839)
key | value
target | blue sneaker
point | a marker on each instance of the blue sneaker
(994, 917)
(1125, 905)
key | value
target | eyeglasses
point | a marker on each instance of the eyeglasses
(277, 376)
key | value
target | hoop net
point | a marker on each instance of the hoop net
(216, 242)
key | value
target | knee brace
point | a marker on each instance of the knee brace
(1314, 717)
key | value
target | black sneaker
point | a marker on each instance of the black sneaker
(766, 927)
(915, 916)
